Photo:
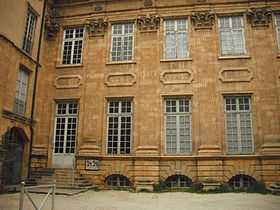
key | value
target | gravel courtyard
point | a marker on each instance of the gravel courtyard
(121, 200)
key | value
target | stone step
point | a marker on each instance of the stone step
(63, 178)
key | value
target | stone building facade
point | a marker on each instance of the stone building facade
(20, 23)
(134, 92)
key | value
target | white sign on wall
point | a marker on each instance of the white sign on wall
(92, 164)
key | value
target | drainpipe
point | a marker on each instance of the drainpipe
(35, 87)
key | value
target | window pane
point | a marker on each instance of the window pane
(72, 46)
(122, 42)
(232, 35)
(29, 31)
(238, 124)
(119, 127)
(21, 92)
(66, 127)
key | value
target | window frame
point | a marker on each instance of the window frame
(75, 28)
(30, 12)
(66, 116)
(119, 115)
(122, 37)
(178, 114)
(277, 27)
(186, 19)
(243, 29)
(238, 112)
(22, 71)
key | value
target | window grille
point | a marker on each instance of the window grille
(21, 92)
(119, 125)
(29, 31)
(122, 42)
(239, 132)
(66, 127)
(232, 37)
(176, 39)
(178, 132)
(72, 46)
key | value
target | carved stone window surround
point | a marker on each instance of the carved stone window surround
(175, 81)
(148, 23)
(97, 27)
(203, 20)
(259, 17)
(78, 83)
(248, 77)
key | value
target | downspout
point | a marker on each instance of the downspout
(35, 88)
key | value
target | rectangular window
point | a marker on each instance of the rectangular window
(66, 127)
(178, 124)
(29, 31)
(119, 126)
(72, 46)
(277, 18)
(232, 39)
(21, 92)
(176, 39)
(239, 132)
(122, 42)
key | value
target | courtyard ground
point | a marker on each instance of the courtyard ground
(122, 200)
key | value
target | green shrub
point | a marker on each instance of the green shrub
(257, 187)
(160, 187)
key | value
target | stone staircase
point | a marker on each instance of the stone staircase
(274, 188)
(63, 178)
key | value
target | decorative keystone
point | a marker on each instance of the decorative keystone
(202, 20)
(149, 22)
(97, 27)
(259, 17)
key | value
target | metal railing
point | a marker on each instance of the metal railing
(25, 191)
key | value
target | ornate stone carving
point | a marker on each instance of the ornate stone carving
(51, 24)
(259, 17)
(235, 75)
(149, 22)
(202, 20)
(120, 79)
(148, 3)
(176, 77)
(97, 27)
(68, 81)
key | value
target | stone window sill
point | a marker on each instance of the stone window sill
(234, 57)
(120, 62)
(176, 59)
(61, 66)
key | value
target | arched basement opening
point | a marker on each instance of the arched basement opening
(241, 181)
(117, 181)
(178, 182)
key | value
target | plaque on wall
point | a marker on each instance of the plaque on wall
(92, 165)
